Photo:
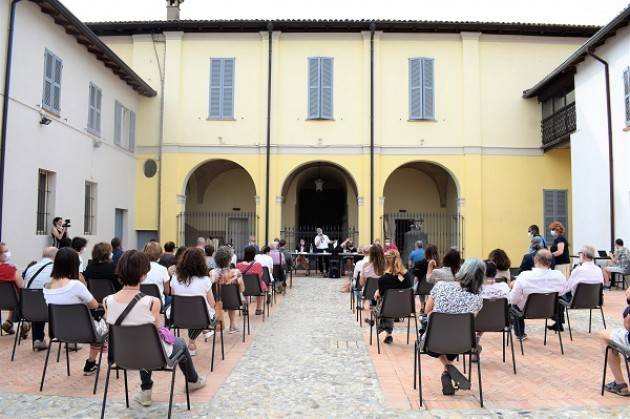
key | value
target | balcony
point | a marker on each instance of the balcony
(557, 127)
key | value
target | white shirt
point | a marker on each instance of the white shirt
(358, 267)
(74, 292)
(81, 265)
(321, 242)
(265, 261)
(233, 260)
(587, 273)
(157, 275)
(43, 277)
(538, 280)
(199, 285)
(495, 290)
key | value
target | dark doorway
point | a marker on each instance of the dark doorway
(322, 208)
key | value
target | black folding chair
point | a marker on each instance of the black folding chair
(72, 324)
(33, 308)
(8, 299)
(587, 297)
(370, 288)
(154, 291)
(140, 348)
(353, 289)
(494, 317)
(270, 284)
(447, 334)
(279, 274)
(397, 304)
(192, 313)
(231, 297)
(253, 289)
(625, 354)
(100, 288)
(423, 289)
(622, 277)
(539, 306)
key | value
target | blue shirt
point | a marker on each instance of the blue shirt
(416, 256)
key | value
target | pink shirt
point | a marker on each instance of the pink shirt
(587, 273)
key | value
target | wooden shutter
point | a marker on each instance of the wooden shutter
(56, 85)
(47, 99)
(227, 87)
(326, 91)
(555, 208)
(626, 91)
(428, 111)
(117, 123)
(215, 88)
(97, 109)
(132, 131)
(91, 108)
(313, 88)
(415, 88)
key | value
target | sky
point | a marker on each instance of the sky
(589, 12)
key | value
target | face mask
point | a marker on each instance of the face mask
(530, 234)
(7, 256)
(554, 233)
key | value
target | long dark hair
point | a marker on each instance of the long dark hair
(377, 259)
(452, 260)
(66, 264)
(192, 263)
(431, 253)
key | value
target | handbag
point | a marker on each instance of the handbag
(166, 335)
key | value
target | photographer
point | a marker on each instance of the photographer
(59, 233)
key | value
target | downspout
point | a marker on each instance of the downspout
(161, 137)
(268, 144)
(611, 172)
(5, 105)
(372, 29)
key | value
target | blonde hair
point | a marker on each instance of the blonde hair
(153, 250)
(394, 264)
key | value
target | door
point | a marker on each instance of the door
(119, 224)
(238, 234)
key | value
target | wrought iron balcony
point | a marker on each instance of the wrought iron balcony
(557, 127)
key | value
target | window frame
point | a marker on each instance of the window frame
(50, 107)
(555, 216)
(96, 109)
(422, 87)
(221, 86)
(626, 96)
(320, 88)
(89, 208)
(125, 134)
(43, 209)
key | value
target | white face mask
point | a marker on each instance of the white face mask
(7, 256)
(530, 234)
(554, 233)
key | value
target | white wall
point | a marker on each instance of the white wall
(589, 147)
(64, 146)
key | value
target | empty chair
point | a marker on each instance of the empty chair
(270, 284)
(587, 297)
(33, 308)
(192, 313)
(8, 299)
(140, 348)
(494, 317)
(253, 289)
(231, 297)
(72, 323)
(539, 306)
(370, 288)
(397, 303)
(100, 288)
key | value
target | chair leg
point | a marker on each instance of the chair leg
(590, 318)
(378, 341)
(503, 343)
(627, 368)
(214, 342)
(415, 362)
(419, 377)
(560, 339)
(408, 328)
(170, 396)
(371, 328)
(605, 366)
(479, 375)
(67, 360)
(248, 330)
(17, 333)
(41, 385)
(545, 341)
(126, 389)
(601, 310)
(98, 368)
(469, 365)
(569, 324)
(244, 324)
(59, 352)
(222, 347)
(109, 369)
(187, 391)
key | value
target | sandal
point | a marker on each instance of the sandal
(259, 312)
(447, 385)
(620, 389)
(459, 378)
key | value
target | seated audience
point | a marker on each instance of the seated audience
(493, 286)
(541, 279)
(503, 264)
(132, 269)
(395, 276)
(278, 259)
(157, 274)
(223, 275)
(168, 257)
(191, 279)
(209, 250)
(265, 260)
(65, 288)
(252, 242)
(389, 244)
(117, 250)
(178, 254)
(201, 243)
(354, 284)
(375, 266)
(9, 273)
(249, 266)
(621, 338)
(528, 259)
(619, 262)
(79, 244)
(101, 266)
(450, 265)
(282, 247)
(457, 297)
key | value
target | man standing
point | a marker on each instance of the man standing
(116, 250)
(417, 255)
(321, 245)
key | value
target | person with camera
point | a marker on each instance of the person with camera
(59, 233)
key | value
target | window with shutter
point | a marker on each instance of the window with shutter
(626, 91)
(555, 208)
(320, 88)
(124, 127)
(51, 97)
(117, 123)
(132, 131)
(313, 88)
(89, 209)
(94, 110)
(421, 89)
(221, 101)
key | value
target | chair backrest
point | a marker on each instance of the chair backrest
(541, 306)
(278, 272)
(136, 347)
(370, 288)
(450, 333)
(266, 275)
(424, 287)
(493, 316)
(252, 285)
(8, 296)
(71, 323)
(398, 303)
(231, 297)
(34, 308)
(587, 296)
(189, 312)
(100, 288)
(152, 290)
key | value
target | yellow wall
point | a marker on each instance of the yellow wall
(219, 194)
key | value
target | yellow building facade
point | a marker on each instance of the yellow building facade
(476, 167)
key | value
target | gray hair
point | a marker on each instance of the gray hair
(471, 275)
(543, 257)
(537, 243)
(223, 256)
(201, 241)
(419, 244)
(588, 252)
(49, 252)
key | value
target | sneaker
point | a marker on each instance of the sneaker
(616, 388)
(523, 337)
(556, 327)
(232, 330)
(388, 340)
(369, 321)
(89, 368)
(144, 398)
(200, 383)
(7, 327)
(447, 385)
(39, 345)
(208, 334)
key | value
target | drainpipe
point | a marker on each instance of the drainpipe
(5, 105)
(372, 29)
(611, 172)
(161, 136)
(268, 145)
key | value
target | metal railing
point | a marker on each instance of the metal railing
(293, 234)
(559, 125)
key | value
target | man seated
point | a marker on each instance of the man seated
(619, 262)
(541, 279)
(621, 338)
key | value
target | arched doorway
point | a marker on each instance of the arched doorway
(319, 194)
(220, 205)
(421, 203)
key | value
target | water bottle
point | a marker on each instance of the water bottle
(311, 248)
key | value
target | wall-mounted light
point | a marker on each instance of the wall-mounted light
(45, 120)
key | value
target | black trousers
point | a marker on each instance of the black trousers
(322, 262)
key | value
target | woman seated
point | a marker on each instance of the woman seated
(191, 279)
(158, 274)
(223, 275)
(396, 276)
(374, 267)
(248, 266)
(503, 264)
(494, 286)
(302, 260)
(265, 260)
(65, 288)
(9, 273)
(450, 265)
(460, 296)
(132, 268)
(101, 266)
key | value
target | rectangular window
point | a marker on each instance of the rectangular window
(421, 89)
(94, 109)
(45, 193)
(221, 100)
(626, 93)
(89, 214)
(555, 208)
(124, 127)
(51, 100)
(320, 88)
